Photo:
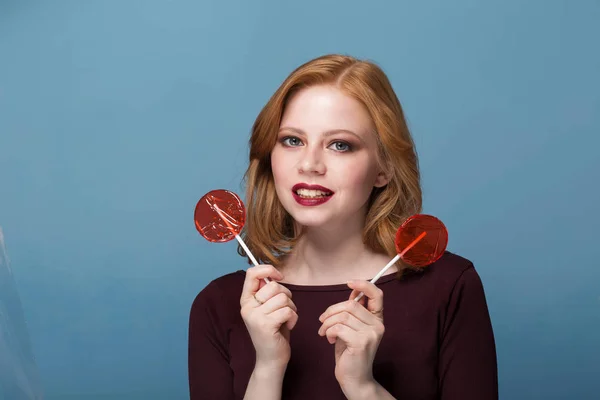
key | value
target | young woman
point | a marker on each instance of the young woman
(333, 173)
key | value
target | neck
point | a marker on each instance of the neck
(332, 255)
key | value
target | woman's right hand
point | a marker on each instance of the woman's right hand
(269, 315)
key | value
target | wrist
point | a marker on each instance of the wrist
(269, 370)
(368, 390)
(265, 382)
(359, 391)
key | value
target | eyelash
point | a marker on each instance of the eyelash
(348, 145)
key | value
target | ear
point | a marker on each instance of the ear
(382, 179)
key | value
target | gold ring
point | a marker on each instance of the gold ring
(258, 301)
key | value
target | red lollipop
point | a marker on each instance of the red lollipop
(420, 240)
(428, 249)
(220, 216)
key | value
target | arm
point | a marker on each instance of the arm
(467, 363)
(356, 329)
(371, 391)
(269, 314)
(209, 374)
(264, 384)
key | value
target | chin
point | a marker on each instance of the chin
(311, 221)
(308, 217)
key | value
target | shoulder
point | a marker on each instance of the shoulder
(450, 268)
(220, 294)
(457, 283)
(443, 277)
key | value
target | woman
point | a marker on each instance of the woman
(333, 173)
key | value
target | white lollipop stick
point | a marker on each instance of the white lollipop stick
(396, 258)
(239, 239)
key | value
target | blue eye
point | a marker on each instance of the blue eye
(291, 141)
(341, 146)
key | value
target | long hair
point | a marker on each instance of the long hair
(269, 230)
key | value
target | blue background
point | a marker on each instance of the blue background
(117, 116)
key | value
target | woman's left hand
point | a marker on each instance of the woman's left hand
(356, 332)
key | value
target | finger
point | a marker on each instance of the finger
(254, 276)
(351, 307)
(284, 315)
(372, 292)
(291, 323)
(270, 290)
(342, 318)
(362, 301)
(276, 302)
(340, 331)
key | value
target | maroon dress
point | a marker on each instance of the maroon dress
(438, 341)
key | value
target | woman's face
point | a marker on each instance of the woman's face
(325, 160)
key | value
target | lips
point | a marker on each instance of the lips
(311, 195)
(312, 187)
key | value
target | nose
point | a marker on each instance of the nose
(311, 163)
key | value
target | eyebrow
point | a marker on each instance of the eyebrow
(326, 133)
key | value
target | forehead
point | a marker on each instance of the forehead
(321, 108)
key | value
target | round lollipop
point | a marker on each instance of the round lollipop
(420, 240)
(220, 216)
(425, 251)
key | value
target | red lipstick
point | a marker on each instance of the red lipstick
(311, 201)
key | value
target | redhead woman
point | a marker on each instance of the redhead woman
(333, 173)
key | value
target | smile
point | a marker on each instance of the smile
(311, 195)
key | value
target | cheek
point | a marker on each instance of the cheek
(359, 176)
(278, 165)
(363, 184)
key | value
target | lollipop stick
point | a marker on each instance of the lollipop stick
(223, 216)
(396, 258)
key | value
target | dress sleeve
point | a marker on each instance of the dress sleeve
(209, 374)
(467, 364)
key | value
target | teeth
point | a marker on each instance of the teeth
(311, 193)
